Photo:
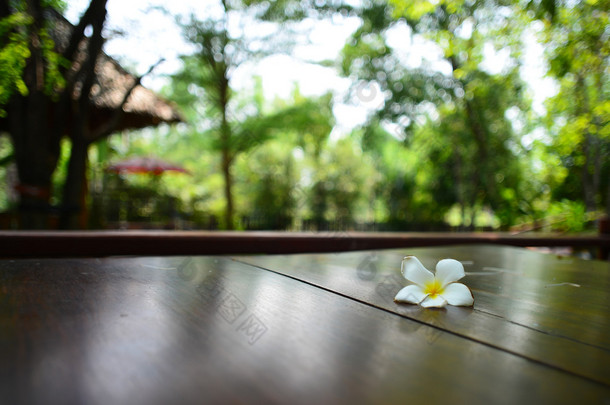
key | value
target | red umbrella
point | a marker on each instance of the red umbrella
(145, 165)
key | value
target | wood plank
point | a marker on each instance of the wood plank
(521, 305)
(157, 243)
(212, 330)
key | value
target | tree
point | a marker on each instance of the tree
(346, 181)
(466, 104)
(39, 103)
(269, 185)
(577, 46)
(268, 192)
(205, 76)
(203, 86)
(55, 93)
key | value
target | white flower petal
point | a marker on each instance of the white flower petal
(413, 294)
(449, 271)
(415, 272)
(437, 302)
(458, 294)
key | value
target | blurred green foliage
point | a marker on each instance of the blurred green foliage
(15, 52)
(453, 144)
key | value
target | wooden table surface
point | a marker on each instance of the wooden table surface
(304, 329)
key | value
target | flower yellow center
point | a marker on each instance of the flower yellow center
(434, 288)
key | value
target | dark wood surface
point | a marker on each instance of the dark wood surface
(305, 329)
(163, 243)
(546, 308)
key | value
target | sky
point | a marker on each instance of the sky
(149, 35)
(152, 35)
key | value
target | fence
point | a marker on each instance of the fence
(158, 243)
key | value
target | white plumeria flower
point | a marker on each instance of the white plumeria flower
(431, 290)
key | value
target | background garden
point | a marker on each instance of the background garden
(440, 125)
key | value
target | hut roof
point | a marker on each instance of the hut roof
(143, 107)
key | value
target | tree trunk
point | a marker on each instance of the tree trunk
(36, 148)
(73, 187)
(481, 184)
(459, 183)
(587, 177)
(588, 170)
(228, 189)
(72, 204)
(37, 121)
(227, 156)
(597, 170)
(35, 157)
(608, 200)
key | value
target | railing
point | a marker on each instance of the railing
(162, 243)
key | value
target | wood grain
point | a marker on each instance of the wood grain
(521, 304)
(213, 330)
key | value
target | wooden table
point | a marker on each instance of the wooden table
(304, 329)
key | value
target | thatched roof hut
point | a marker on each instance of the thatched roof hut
(143, 108)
